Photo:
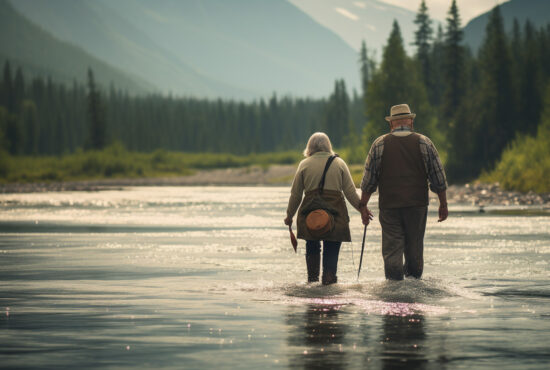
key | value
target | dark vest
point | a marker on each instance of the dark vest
(403, 180)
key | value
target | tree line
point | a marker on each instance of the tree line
(471, 104)
(42, 117)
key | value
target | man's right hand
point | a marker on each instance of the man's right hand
(366, 215)
(443, 212)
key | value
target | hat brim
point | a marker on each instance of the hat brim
(402, 116)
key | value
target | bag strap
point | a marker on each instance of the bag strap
(329, 161)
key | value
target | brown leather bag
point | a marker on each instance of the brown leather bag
(320, 221)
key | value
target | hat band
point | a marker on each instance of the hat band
(400, 114)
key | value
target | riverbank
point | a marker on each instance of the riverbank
(242, 176)
(478, 194)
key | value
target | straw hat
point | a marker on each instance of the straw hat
(399, 112)
(319, 222)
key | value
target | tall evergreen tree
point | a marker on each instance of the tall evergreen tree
(495, 108)
(7, 88)
(337, 114)
(14, 134)
(97, 138)
(18, 89)
(454, 65)
(437, 56)
(531, 81)
(364, 68)
(29, 123)
(422, 41)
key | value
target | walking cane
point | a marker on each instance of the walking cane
(362, 249)
(293, 239)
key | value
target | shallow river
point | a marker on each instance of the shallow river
(205, 277)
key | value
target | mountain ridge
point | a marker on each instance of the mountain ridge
(206, 48)
(537, 11)
(23, 43)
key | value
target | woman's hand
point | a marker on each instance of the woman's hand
(288, 221)
(366, 215)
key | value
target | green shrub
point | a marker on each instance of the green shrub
(525, 164)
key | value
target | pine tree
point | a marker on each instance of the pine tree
(18, 89)
(7, 89)
(14, 134)
(423, 37)
(364, 68)
(531, 88)
(337, 114)
(496, 103)
(97, 138)
(4, 144)
(453, 65)
(29, 123)
(437, 56)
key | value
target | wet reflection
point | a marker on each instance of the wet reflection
(403, 342)
(320, 335)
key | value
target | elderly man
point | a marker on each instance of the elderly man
(401, 164)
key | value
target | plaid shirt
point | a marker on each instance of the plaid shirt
(432, 163)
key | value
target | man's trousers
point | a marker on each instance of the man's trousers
(403, 236)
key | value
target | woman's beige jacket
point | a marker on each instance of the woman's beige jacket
(337, 181)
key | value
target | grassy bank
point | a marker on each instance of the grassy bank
(117, 162)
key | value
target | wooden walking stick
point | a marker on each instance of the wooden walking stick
(362, 249)
(293, 239)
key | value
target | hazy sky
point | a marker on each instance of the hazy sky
(438, 8)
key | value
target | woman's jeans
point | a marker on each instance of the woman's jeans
(330, 253)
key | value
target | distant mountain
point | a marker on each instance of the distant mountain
(95, 27)
(39, 53)
(537, 11)
(368, 20)
(214, 48)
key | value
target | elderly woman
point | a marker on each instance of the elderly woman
(337, 181)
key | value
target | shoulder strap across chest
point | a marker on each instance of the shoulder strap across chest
(329, 161)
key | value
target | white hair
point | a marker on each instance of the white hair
(318, 142)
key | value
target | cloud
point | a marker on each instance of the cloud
(347, 14)
(360, 4)
(370, 27)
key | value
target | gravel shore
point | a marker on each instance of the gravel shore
(492, 194)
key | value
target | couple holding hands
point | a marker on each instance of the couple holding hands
(402, 165)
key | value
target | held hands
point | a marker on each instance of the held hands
(366, 215)
(443, 212)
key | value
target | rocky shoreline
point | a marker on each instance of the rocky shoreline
(480, 194)
(476, 194)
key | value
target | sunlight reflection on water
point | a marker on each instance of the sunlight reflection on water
(205, 277)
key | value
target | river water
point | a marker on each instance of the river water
(205, 277)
